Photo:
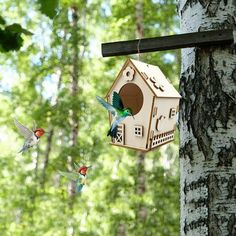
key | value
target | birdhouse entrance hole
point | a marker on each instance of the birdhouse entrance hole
(132, 97)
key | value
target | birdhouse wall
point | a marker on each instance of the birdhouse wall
(154, 102)
(164, 115)
(136, 131)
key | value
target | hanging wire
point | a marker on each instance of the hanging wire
(138, 49)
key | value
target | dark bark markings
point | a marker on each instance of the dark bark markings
(194, 224)
(211, 6)
(214, 192)
(187, 151)
(231, 187)
(234, 76)
(232, 225)
(226, 155)
(216, 104)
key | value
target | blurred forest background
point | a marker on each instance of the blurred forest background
(52, 77)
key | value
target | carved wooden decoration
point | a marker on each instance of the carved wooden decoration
(120, 139)
(172, 112)
(145, 89)
(128, 73)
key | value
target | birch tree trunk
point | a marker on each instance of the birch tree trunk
(208, 124)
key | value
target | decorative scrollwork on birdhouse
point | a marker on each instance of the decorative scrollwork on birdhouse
(120, 135)
(154, 112)
(128, 73)
(172, 113)
(159, 125)
(144, 75)
(157, 84)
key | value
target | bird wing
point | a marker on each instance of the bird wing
(34, 125)
(27, 133)
(116, 101)
(70, 175)
(76, 166)
(108, 106)
(116, 122)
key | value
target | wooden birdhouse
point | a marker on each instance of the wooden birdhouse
(154, 102)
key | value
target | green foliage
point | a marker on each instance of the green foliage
(49, 8)
(11, 36)
(2, 21)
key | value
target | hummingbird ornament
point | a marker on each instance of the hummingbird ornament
(78, 176)
(32, 137)
(118, 111)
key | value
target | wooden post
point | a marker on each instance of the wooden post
(196, 39)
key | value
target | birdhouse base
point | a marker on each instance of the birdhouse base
(140, 149)
(130, 147)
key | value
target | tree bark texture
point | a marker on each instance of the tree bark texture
(141, 181)
(207, 124)
(74, 91)
(46, 157)
(52, 129)
(50, 137)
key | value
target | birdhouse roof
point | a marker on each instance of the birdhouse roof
(154, 78)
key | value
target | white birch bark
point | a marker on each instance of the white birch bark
(208, 123)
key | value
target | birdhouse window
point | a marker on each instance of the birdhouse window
(138, 130)
(132, 97)
(172, 113)
(120, 134)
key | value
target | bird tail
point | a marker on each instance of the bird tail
(113, 132)
(79, 187)
(23, 149)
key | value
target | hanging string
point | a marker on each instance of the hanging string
(138, 49)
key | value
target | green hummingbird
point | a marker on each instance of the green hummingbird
(118, 112)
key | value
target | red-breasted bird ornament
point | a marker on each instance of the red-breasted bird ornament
(32, 137)
(83, 170)
(78, 176)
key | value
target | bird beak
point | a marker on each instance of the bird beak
(133, 117)
(89, 166)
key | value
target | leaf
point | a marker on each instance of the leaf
(10, 41)
(16, 28)
(2, 21)
(49, 7)
(10, 38)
